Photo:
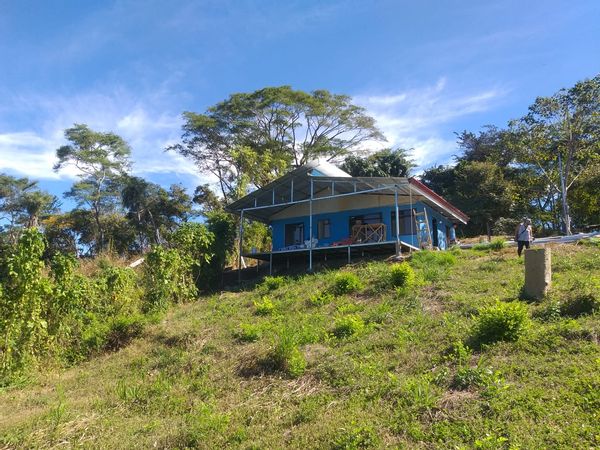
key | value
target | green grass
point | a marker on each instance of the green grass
(320, 361)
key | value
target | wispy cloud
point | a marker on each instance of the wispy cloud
(145, 124)
(418, 119)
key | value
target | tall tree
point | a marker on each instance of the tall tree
(22, 203)
(251, 138)
(101, 160)
(384, 163)
(153, 210)
(561, 136)
(477, 188)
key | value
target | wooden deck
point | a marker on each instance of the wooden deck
(333, 250)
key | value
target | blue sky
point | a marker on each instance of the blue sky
(423, 69)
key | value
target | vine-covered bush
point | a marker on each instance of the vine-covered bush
(194, 243)
(23, 326)
(168, 278)
(117, 291)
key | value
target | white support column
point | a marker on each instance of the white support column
(398, 249)
(412, 218)
(310, 227)
(292, 191)
(240, 247)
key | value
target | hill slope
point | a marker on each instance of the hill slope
(322, 361)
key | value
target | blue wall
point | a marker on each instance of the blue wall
(340, 225)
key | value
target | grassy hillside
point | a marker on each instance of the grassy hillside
(339, 361)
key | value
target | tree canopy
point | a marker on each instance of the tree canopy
(252, 138)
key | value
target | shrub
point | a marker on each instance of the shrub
(584, 298)
(117, 290)
(346, 283)
(356, 437)
(459, 353)
(402, 275)
(264, 306)
(479, 376)
(496, 245)
(123, 329)
(427, 258)
(349, 325)
(69, 292)
(550, 312)
(167, 278)
(285, 353)
(23, 326)
(248, 332)
(195, 244)
(590, 242)
(501, 322)
(320, 299)
(272, 283)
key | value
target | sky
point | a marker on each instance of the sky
(423, 69)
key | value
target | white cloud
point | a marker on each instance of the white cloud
(416, 119)
(143, 124)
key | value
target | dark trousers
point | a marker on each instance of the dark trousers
(520, 245)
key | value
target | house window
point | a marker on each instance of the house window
(324, 229)
(294, 234)
(405, 223)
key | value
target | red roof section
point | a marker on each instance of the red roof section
(438, 198)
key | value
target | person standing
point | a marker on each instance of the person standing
(523, 235)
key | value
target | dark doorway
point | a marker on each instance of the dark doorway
(434, 231)
(294, 234)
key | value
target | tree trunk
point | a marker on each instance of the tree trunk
(566, 219)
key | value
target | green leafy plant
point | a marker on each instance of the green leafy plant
(264, 306)
(272, 283)
(286, 355)
(23, 326)
(348, 325)
(495, 245)
(583, 298)
(320, 299)
(248, 332)
(402, 275)
(167, 279)
(346, 283)
(356, 437)
(501, 322)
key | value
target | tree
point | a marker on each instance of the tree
(153, 210)
(561, 136)
(477, 188)
(252, 138)
(384, 163)
(206, 198)
(101, 159)
(22, 204)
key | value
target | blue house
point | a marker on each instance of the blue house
(318, 210)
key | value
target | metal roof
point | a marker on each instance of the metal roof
(330, 182)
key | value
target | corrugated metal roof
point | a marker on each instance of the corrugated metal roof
(329, 181)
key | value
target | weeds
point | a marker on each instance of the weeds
(264, 306)
(349, 325)
(248, 333)
(286, 355)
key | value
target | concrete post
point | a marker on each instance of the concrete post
(538, 272)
